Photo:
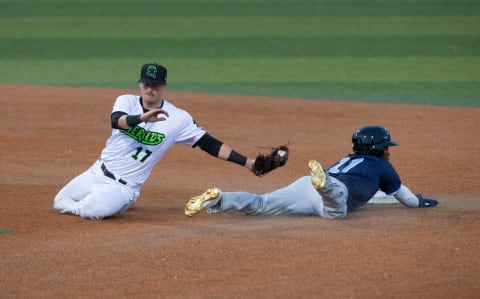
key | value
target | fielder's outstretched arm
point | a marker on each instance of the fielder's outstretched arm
(223, 151)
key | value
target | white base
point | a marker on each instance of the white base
(382, 198)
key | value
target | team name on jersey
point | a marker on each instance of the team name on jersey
(143, 136)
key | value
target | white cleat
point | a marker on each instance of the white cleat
(201, 201)
(319, 178)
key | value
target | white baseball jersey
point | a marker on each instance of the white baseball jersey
(132, 154)
(112, 184)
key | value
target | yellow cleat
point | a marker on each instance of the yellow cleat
(319, 177)
(195, 204)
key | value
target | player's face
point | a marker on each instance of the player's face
(386, 153)
(151, 92)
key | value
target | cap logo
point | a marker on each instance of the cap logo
(151, 72)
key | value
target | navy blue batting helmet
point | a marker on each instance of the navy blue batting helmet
(370, 140)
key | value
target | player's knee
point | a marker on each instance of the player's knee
(57, 202)
(337, 213)
(334, 216)
(64, 205)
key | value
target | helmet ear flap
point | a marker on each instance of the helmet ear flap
(359, 147)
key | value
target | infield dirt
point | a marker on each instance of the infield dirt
(51, 134)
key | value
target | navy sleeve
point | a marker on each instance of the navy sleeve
(389, 180)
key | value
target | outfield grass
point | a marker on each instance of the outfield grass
(423, 51)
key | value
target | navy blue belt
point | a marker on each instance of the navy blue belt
(107, 173)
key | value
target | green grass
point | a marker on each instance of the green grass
(425, 51)
(5, 231)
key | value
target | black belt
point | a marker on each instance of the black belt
(107, 173)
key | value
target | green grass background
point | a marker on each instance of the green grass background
(419, 51)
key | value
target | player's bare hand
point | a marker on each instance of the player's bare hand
(154, 115)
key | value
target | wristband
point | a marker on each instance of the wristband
(237, 158)
(133, 120)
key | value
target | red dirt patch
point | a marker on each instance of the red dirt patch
(49, 135)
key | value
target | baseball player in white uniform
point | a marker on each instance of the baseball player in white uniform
(144, 128)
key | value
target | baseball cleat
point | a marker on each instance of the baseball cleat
(319, 177)
(198, 202)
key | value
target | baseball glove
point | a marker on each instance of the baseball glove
(264, 163)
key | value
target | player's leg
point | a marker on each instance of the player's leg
(106, 199)
(296, 198)
(333, 192)
(334, 196)
(75, 190)
(215, 201)
(93, 195)
(243, 202)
